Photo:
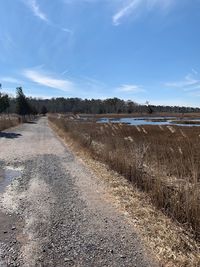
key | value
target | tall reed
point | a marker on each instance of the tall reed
(7, 121)
(163, 161)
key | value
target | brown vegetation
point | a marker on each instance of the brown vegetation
(7, 121)
(160, 160)
(190, 122)
(144, 114)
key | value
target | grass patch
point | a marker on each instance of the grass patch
(192, 122)
(167, 239)
(7, 121)
(144, 114)
(160, 160)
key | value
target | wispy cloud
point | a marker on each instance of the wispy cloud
(48, 80)
(10, 80)
(130, 88)
(35, 8)
(64, 72)
(134, 6)
(126, 8)
(190, 82)
(93, 83)
(67, 30)
(7, 44)
(125, 11)
(195, 71)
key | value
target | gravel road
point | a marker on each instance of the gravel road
(55, 212)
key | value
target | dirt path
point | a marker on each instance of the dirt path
(55, 212)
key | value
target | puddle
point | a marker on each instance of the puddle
(7, 174)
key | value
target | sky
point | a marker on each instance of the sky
(142, 50)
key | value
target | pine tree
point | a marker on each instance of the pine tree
(4, 101)
(44, 110)
(22, 105)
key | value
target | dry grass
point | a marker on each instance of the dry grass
(186, 122)
(142, 114)
(7, 121)
(171, 244)
(162, 161)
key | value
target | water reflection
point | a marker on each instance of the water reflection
(151, 121)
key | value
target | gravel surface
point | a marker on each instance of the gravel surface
(56, 212)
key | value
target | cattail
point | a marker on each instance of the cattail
(180, 151)
(161, 128)
(144, 131)
(183, 134)
(138, 128)
(130, 139)
(115, 126)
(171, 129)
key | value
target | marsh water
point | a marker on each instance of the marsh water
(151, 121)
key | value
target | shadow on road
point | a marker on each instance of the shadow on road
(9, 135)
(30, 122)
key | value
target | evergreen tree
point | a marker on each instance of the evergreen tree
(22, 105)
(44, 110)
(4, 101)
(149, 108)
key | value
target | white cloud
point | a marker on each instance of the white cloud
(189, 83)
(135, 6)
(194, 94)
(10, 80)
(67, 30)
(130, 88)
(39, 96)
(125, 8)
(35, 8)
(33, 5)
(125, 11)
(70, 2)
(48, 80)
(93, 83)
(173, 102)
(64, 72)
(195, 71)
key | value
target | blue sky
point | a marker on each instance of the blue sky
(143, 50)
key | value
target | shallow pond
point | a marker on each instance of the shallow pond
(150, 121)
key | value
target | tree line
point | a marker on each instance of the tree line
(23, 105)
(20, 104)
(98, 106)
